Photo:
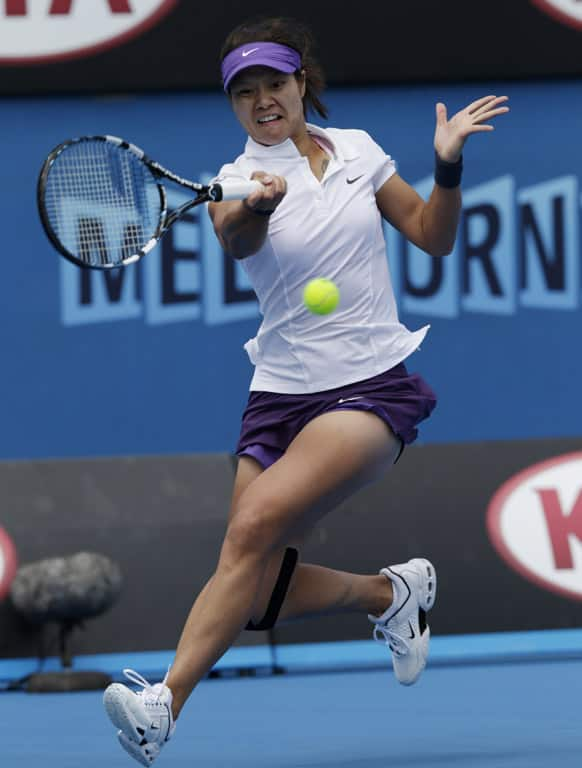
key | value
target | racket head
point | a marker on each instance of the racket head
(100, 204)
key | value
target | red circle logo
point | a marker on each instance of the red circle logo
(8, 563)
(36, 31)
(566, 11)
(534, 522)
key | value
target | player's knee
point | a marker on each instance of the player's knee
(252, 530)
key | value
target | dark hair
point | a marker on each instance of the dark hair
(294, 34)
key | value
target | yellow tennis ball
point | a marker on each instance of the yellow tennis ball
(321, 296)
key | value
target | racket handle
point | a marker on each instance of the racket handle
(234, 189)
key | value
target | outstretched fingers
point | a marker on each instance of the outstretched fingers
(490, 108)
(480, 128)
(484, 110)
(479, 118)
(486, 102)
(450, 136)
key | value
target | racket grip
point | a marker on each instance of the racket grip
(234, 189)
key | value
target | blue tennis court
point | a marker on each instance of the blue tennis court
(505, 712)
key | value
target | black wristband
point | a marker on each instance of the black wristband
(447, 175)
(254, 210)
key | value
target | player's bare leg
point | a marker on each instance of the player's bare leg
(314, 590)
(335, 455)
(272, 509)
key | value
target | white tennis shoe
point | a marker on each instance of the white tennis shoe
(403, 625)
(144, 718)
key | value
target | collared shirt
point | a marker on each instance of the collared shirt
(330, 228)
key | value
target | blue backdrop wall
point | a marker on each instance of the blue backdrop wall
(150, 361)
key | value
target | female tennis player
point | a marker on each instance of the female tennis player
(332, 402)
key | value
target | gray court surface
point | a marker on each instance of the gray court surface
(502, 715)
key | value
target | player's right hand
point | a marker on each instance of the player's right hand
(268, 198)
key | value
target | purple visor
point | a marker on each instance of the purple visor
(274, 55)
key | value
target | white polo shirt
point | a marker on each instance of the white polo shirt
(330, 229)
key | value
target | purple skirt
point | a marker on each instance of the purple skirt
(272, 420)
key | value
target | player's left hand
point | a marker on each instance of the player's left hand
(450, 135)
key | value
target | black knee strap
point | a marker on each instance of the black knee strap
(279, 592)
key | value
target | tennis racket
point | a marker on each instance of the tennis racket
(103, 205)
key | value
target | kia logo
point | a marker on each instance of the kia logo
(35, 31)
(535, 523)
(567, 11)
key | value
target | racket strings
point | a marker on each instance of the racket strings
(102, 202)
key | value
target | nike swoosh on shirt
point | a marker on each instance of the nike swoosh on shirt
(251, 50)
(351, 181)
(345, 399)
